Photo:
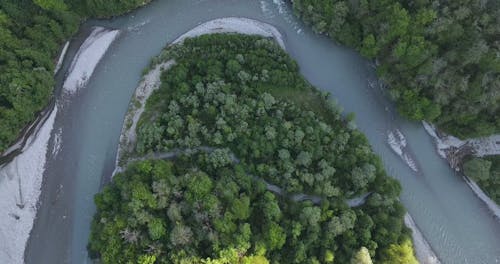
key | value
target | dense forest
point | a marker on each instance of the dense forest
(486, 173)
(438, 58)
(243, 96)
(31, 34)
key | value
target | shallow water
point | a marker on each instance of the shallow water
(456, 223)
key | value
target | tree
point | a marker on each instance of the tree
(57, 5)
(477, 169)
(399, 253)
(329, 256)
(304, 158)
(240, 201)
(156, 229)
(362, 257)
(276, 236)
(181, 235)
(241, 208)
(255, 260)
(369, 47)
(147, 259)
(310, 216)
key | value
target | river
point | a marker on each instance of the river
(456, 223)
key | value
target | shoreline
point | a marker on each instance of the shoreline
(23, 141)
(423, 250)
(20, 189)
(149, 83)
(494, 208)
(23, 164)
(454, 150)
(16, 148)
(87, 57)
(62, 55)
(19, 144)
(239, 25)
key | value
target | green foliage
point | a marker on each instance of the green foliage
(58, 5)
(147, 259)
(257, 120)
(437, 57)
(362, 257)
(478, 168)
(31, 34)
(329, 256)
(399, 253)
(486, 173)
(107, 8)
(238, 95)
(204, 227)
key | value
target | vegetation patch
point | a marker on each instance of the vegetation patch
(240, 94)
(31, 34)
(486, 173)
(439, 58)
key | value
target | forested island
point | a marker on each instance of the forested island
(243, 97)
(32, 32)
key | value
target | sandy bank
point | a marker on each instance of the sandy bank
(234, 25)
(87, 58)
(61, 57)
(20, 187)
(494, 208)
(454, 150)
(150, 82)
(423, 250)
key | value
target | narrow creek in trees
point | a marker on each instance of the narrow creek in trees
(457, 224)
(296, 197)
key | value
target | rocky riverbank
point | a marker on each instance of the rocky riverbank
(454, 149)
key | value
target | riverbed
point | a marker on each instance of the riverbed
(457, 225)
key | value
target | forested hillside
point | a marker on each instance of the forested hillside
(243, 97)
(31, 34)
(440, 59)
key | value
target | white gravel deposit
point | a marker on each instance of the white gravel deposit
(61, 57)
(484, 146)
(234, 25)
(87, 58)
(20, 188)
(150, 82)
